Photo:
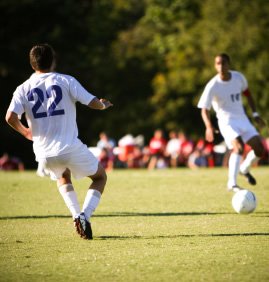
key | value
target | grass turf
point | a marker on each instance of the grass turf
(162, 225)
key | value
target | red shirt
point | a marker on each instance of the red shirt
(157, 145)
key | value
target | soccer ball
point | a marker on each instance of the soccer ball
(244, 201)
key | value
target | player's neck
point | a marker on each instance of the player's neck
(51, 69)
(42, 71)
(225, 76)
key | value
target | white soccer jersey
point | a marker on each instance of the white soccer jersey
(225, 96)
(48, 99)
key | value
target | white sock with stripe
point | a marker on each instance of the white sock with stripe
(70, 199)
(249, 160)
(91, 202)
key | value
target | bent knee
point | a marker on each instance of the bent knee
(259, 151)
(238, 149)
(100, 175)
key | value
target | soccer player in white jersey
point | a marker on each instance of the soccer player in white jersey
(48, 100)
(224, 93)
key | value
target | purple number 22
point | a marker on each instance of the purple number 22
(52, 111)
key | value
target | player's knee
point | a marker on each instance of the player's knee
(100, 175)
(238, 146)
(238, 150)
(259, 151)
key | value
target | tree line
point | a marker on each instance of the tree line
(151, 58)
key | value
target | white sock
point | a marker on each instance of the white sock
(70, 199)
(249, 160)
(234, 163)
(91, 202)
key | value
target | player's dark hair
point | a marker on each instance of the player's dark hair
(42, 57)
(225, 57)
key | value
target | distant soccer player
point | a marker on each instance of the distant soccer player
(224, 92)
(49, 101)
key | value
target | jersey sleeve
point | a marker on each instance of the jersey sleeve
(79, 93)
(244, 82)
(206, 98)
(16, 104)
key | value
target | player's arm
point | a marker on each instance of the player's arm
(101, 104)
(13, 120)
(209, 133)
(252, 105)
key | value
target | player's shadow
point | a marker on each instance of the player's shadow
(164, 214)
(133, 214)
(134, 237)
(157, 214)
(33, 217)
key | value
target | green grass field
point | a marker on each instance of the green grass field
(162, 225)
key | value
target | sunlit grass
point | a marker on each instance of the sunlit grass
(162, 225)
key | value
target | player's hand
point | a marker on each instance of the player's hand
(107, 103)
(261, 123)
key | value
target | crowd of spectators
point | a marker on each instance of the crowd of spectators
(178, 150)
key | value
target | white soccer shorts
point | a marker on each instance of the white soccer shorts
(237, 127)
(81, 163)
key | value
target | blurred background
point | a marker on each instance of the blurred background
(151, 58)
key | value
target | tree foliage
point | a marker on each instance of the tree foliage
(151, 58)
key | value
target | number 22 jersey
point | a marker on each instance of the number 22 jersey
(49, 102)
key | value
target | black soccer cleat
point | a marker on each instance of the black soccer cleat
(83, 227)
(250, 178)
(234, 188)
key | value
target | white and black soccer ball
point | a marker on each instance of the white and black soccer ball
(244, 201)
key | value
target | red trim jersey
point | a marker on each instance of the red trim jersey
(225, 96)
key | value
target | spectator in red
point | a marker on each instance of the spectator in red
(185, 149)
(207, 150)
(10, 163)
(106, 146)
(157, 147)
(135, 158)
(106, 159)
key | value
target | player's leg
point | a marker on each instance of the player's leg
(254, 155)
(68, 193)
(91, 201)
(234, 163)
(95, 191)
(152, 162)
(55, 167)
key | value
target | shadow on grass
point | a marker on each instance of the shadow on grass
(180, 236)
(134, 214)
(34, 217)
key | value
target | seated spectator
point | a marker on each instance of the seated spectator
(197, 159)
(186, 147)
(106, 159)
(135, 158)
(126, 149)
(207, 150)
(105, 142)
(106, 146)
(10, 163)
(172, 149)
(157, 147)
